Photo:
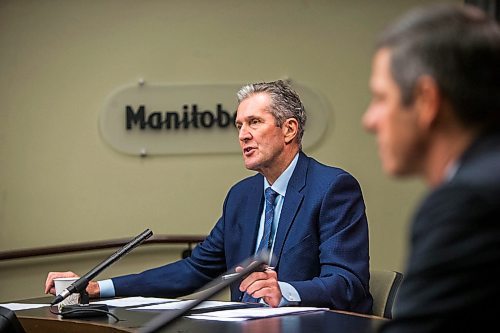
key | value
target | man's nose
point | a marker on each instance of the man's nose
(244, 134)
(369, 120)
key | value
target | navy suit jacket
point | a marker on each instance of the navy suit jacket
(451, 283)
(321, 244)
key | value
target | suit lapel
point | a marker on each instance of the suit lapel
(291, 205)
(250, 222)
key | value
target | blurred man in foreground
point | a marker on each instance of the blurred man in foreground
(435, 111)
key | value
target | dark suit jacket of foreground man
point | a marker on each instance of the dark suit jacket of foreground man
(455, 262)
(321, 244)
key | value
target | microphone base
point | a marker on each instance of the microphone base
(84, 310)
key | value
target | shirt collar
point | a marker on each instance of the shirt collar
(451, 171)
(281, 183)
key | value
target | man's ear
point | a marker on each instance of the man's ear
(290, 129)
(427, 101)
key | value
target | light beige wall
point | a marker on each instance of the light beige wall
(59, 60)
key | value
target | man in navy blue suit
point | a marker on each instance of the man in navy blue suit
(318, 231)
(436, 114)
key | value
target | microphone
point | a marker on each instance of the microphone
(257, 263)
(80, 285)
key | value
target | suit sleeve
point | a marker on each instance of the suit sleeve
(182, 277)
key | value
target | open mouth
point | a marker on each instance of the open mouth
(247, 150)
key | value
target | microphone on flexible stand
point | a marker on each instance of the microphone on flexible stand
(80, 285)
(257, 263)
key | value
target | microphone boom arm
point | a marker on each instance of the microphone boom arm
(80, 285)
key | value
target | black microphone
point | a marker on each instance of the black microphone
(81, 284)
(257, 263)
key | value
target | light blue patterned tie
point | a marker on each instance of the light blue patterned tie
(266, 242)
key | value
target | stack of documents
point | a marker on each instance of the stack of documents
(182, 304)
(135, 301)
(217, 310)
(221, 311)
(22, 306)
(254, 313)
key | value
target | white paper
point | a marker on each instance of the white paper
(22, 306)
(253, 313)
(134, 301)
(182, 304)
(217, 318)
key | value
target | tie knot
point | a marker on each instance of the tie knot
(270, 195)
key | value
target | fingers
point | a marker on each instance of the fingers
(49, 282)
(262, 290)
(255, 278)
(269, 275)
(263, 285)
(93, 289)
(274, 300)
(240, 268)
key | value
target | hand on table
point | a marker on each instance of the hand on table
(92, 288)
(262, 285)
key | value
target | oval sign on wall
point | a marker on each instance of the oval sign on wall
(159, 119)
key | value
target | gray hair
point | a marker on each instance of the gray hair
(285, 102)
(459, 46)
